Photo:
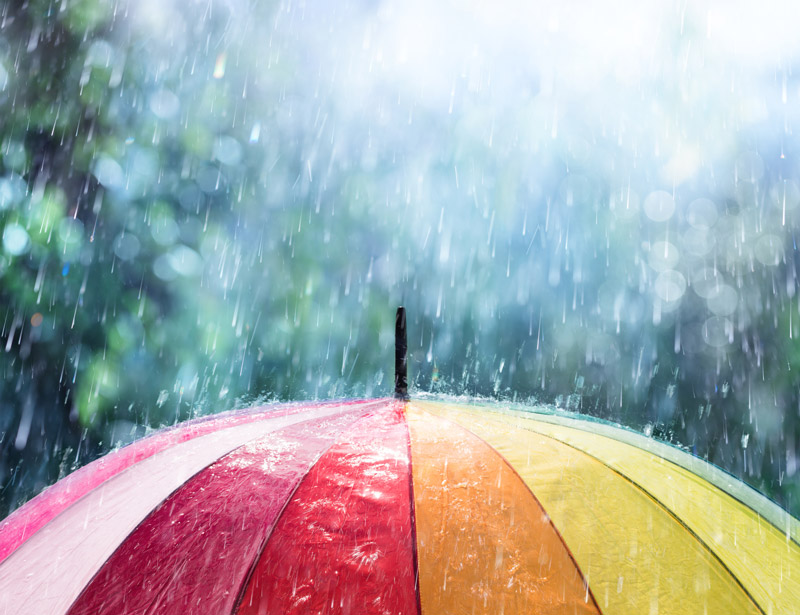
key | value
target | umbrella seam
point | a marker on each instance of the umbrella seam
(414, 554)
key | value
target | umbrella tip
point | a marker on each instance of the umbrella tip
(400, 355)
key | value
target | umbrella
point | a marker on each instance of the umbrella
(399, 506)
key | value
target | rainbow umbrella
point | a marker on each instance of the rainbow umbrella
(399, 507)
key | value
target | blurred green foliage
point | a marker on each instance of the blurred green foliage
(192, 219)
(148, 281)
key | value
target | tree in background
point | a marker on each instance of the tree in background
(162, 251)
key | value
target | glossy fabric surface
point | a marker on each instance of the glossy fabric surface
(34, 514)
(485, 545)
(200, 543)
(345, 543)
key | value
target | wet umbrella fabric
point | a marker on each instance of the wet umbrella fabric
(392, 507)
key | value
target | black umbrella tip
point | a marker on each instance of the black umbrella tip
(400, 356)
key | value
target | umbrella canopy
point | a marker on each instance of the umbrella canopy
(398, 507)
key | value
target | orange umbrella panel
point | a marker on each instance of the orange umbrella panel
(485, 544)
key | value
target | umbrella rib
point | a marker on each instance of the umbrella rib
(414, 554)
